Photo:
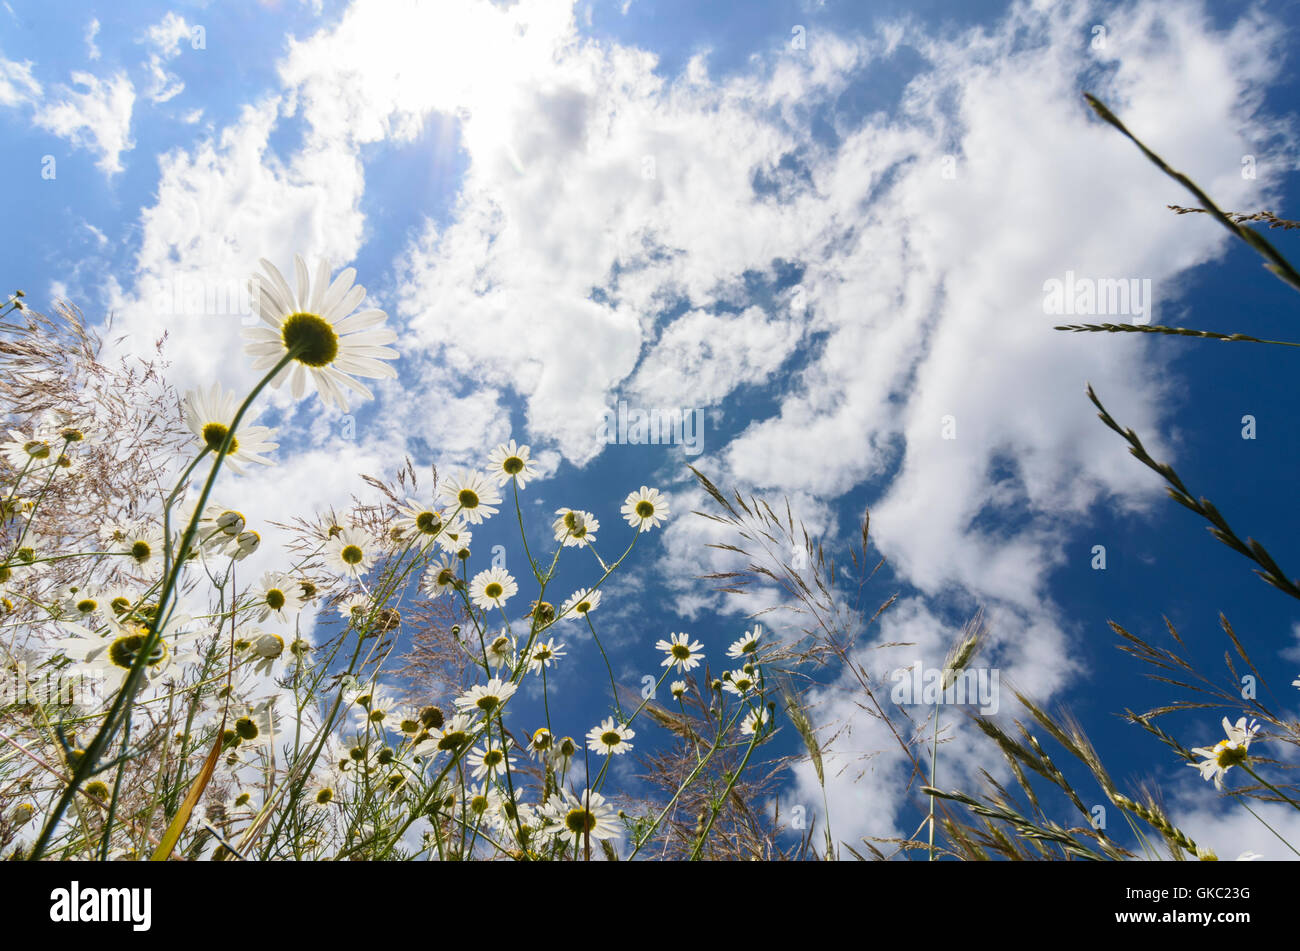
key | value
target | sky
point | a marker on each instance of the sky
(824, 230)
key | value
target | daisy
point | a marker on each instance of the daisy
(350, 553)
(753, 722)
(542, 742)
(486, 698)
(501, 652)
(82, 603)
(421, 520)
(678, 689)
(22, 451)
(354, 609)
(583, 819)
(645, 509)
(747, 644)
(575, 528)
(266, 648)
(471, 492)
(487, 761)
(681, 651)
(144, 543)
(610, 737)
(740, 682)
(209, 414)
(1226, 753)
(492, 588)
(562, 754)
(509, 461)
(545, 653)
(330, 344)
(582, 601)
(440, 577)
(279, 595)
(218, 529)
(371, 704)
(453, 737)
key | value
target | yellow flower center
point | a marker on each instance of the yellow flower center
(310, 338)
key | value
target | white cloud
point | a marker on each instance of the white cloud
(165, 37)
(17, 85)
(92, 31)
(95, 117)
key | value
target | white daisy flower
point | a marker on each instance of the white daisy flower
(754, 721)
(440, 577)
(575, 528)
(544, 654)
(562, 752)
(420, 520)
(678, 689)
(331, 344)
(351, 553)
(584, 819)
(610, 737)
(82, 602)
(501, 652)
(492, 588)
(30, 451)
(279, 595)
(487, 761)
(1227, 753)
(745, 645)
(645, 509)
(209, 413)
(583, 601)
(541, 743)
(682, 651)
(471, 492)
(509, 461)
(354, 608)
(486, 698)
(452, 737)
(740, 682)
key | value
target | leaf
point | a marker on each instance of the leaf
(182, 818)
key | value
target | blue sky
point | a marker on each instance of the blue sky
(741, 209)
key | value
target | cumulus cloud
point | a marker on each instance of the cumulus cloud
(93, 114)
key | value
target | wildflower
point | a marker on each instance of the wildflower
(144, 543)
(329, 343)
(451, 737)
(678, 689)
(575, 528)
(209, 415)
(492, 588)
(740, 682)
(350, 553)
(645, 509)
(23, 451)
(501, 652)
(583, 601)
(354, 608)
(277, 594)
(754, 721)
(564, 750)
(487, 761)
(583, 819)
(440, 578)
(1227, 753)
(541, 743)
(82, 602)
(681, 650)
(421, 520)
(745, 645)
(544, 653)
(610, 737)
(486, 698)
(471, 493)
(509, 461)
